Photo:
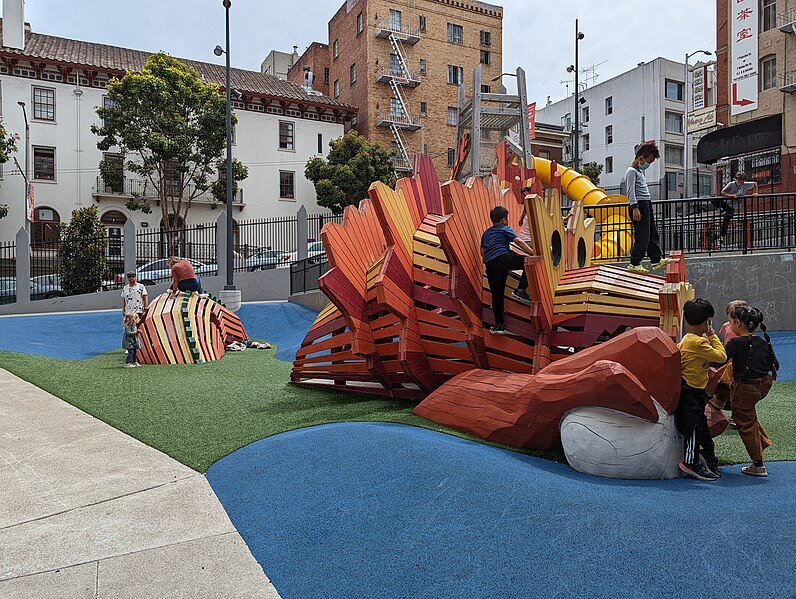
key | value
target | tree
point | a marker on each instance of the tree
(345, 176)
(8, 145)
(593, 170)
(171, 128)
(239, 172)
(82, 248)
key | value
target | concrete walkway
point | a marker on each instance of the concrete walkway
(87, 511)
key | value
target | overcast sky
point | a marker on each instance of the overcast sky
(537, 35)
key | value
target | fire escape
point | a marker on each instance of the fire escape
(398, 76)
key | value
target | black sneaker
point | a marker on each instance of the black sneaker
(697, 471)
(711, 464)
(520, 295)
(497, 331)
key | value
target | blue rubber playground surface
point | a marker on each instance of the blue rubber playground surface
(84, 335)
(380, 510)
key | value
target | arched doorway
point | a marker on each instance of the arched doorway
(46, 228)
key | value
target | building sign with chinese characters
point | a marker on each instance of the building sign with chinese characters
(702, 119)
(699, 87)
(743, 45)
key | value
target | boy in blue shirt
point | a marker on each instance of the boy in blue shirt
(500, 260)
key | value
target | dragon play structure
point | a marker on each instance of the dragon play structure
(410, 311)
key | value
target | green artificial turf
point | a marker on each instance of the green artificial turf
(199, 414)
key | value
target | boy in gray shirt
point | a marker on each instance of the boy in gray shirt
(734, 189)
(645, 233)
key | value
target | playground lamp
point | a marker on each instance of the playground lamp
(218, 51)
(686, 149)
(578, 100)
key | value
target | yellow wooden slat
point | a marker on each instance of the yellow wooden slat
(437, 266)
(612, 310)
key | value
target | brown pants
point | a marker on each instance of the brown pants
(744, 398)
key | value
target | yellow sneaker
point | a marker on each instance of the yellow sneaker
(660, 264)
(637, 268)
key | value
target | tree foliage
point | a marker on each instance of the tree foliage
(171, 128)
(82, 247)
(593, 170)
(219, 189)
(344, 177)
(8, 145)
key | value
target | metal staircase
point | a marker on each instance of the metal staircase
(404, 162)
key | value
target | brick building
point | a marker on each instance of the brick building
(756, 95)
(401, 63)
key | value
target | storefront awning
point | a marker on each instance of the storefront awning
(740, 139)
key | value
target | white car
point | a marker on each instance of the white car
(315, 249)
(159, 271)
(266, 258)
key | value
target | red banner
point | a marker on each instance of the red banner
(532, 119)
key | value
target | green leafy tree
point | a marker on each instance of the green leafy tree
(8, 145)
(345, 176)
(82, 248)
(171, 127)
(219, 189)
(593, 170)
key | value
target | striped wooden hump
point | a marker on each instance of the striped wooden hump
(188, 329)
(428, 181)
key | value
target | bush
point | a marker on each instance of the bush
(82, 249)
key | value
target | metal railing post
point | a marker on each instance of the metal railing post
(23, 267)
(301, 234)
(744, 226)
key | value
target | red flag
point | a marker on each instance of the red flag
(532, 119)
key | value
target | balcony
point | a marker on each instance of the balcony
(399, 119)
(388, 74)
(142, 188)
(408, 35)
(787, 21)
(789, 83)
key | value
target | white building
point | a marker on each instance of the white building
(644, 103)
(61, 82)
(278, 63)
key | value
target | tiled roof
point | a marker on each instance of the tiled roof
(89, 54)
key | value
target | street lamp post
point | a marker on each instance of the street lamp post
(686, 149)
(229, 294)
(570, 69)
(27, 163)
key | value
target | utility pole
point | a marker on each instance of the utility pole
(574, 69)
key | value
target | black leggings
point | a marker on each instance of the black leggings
(497, 271)
(727, 211)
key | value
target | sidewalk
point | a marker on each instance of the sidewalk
(86, 511)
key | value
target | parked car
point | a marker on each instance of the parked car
(158, 271)
(8, 289)
(46, 287)
(266, 259)
(315, 249)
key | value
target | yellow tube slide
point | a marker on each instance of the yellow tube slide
(615, 239)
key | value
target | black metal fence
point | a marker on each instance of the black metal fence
(8, 272)
(304, 274)
(264, 243)
(704, 225)
(197, 242)
(315, 223)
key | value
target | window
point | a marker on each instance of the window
(423, 108)
(485, 57)
(336, 88)
(395, 65)
(455, 75)
(46, 226)
(287, 184)
(485, 89)
(585, 139)
(455, 34)
(609, 135)
(768, 72)
(422, 24)
(43, 104)
(352, 71)
(360, 23)
(451, 156)
(585, 114)
(423, 66)
(43, 163)
(335, 49)
(486, 38)
(769, 14)
(566, 121)
(395, 20)
(609, 105)
(453, 116)
(609, 164)
(396, 109)
(544, 154)
(173, 179)
(326, 76)
(674, 122)
(114, 185)
(674, 90)
(286, 135)
(671, 181)
(320, 143)
(673, 155)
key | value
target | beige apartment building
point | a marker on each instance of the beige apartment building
(401, 62)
